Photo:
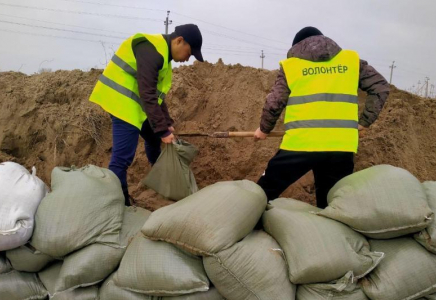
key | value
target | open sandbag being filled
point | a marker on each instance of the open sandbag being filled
(171, 176)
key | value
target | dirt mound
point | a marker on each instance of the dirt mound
(46, 120)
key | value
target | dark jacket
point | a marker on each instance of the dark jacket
(149, 62)
(322, 48)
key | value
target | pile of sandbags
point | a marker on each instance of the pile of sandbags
(20, 195)
(390, 206)
(375, 240)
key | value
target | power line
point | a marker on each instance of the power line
(63, 24)
(231, 29)
(81, 12)
(240, 40)
(176, 13)
(59, 29)
(59, 37)
(114, 5)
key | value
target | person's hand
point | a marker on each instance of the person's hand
(362, 130)
(259, 135)
(168, 139)
(171, 129)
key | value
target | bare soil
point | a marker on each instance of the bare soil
(46, 120)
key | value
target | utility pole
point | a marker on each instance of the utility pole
(417, 89)
(262, 56)
(392, 70)
(167, 22)
(426, 87)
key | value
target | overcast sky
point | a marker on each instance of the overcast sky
(81, 34)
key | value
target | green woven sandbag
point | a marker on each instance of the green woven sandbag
(85, 206)
(342, 289)
(160, 269)
(380, 202)
(254, 268)
(407, 272)
(28, 259)
(317, 249)
(5, 266)
(210, 220)
(109, 291)
(21, 286)
(427, 237)
(171, 176)
(95, 262)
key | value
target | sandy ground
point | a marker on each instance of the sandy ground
(46, 120)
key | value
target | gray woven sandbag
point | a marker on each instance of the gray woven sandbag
(95, 262)
(427, 237)
(317, 249)
(429, 297)
(49, 277)
(21, 286)
(86, 293)
(5, 266)
(407, 272)
(20, 195)
(28, 259)
(380, 202)
(342, 289)
(160, 269)
(211, 220)
(254, 268)
(171, 176)
(85, 206)
(109, 291)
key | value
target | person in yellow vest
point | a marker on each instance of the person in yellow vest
(317, 86)
(132, 89)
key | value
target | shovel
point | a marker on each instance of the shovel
(230, 134)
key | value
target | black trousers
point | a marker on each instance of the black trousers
(286, 167)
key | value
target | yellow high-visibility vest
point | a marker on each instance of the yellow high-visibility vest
(117, 88)
(322, 110)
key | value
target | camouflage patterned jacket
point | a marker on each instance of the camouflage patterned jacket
(322, 48)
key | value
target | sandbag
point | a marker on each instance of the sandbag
(342, 289)
(160, 269)
(85, 206)
(380, 202)
(407, 272)
(427, 237)
(5, 266)
(210, 220)
(254, 268)
(171, 176)
(92, 264)
(317, 249)
(109, 291)
(20, 194)
(28, 259)
(87, 293)
(21, 286)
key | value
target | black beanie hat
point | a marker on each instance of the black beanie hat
(305, 33)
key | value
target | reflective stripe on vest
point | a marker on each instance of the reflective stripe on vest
(117, 88)
(322, 110)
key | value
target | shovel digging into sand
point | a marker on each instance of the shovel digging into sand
(230, 134)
